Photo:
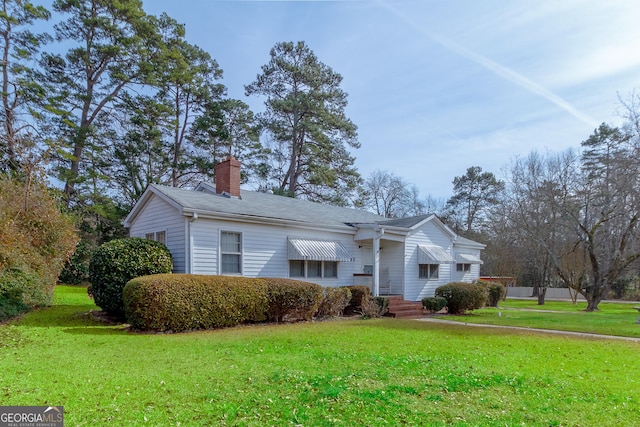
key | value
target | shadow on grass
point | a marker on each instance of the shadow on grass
(96, 330)
(75, 319)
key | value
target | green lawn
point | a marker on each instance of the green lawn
(612, 318)
(335, 373)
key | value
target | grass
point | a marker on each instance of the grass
(612, 318)
(336, 373)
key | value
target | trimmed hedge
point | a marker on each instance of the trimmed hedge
(495, 292)
(182, 302)
(434, 303)
(358, 295)
(292, 299)
(462, 296)
(334, 302)
(116, 262)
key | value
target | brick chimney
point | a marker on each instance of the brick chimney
(227, 174)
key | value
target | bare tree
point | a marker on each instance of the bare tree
(580, 213)
(391, 196)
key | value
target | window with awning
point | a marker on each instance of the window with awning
(468, 259)
(431, 254)
(318, 250)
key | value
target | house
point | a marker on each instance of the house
(221, 229)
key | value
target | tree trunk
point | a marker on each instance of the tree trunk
(593, 296)
(542, 291)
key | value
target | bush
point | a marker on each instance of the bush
(182, 302)
(462, 296)
(15, 287)
(292, 299)
(371, 307)
(334, 302)
(434, 304)
(495, 293)
(116, 262)
(76, 269)
(358, 295)
(36, 239)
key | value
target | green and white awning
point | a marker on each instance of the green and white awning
(431, 254)
(318, 250)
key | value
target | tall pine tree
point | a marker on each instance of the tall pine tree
(305, 117)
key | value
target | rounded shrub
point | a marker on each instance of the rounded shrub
(495, 292)
(116, 262)
(182, 302)
(462, 297)
(292, 299)
(434, 304)
(334, 302)
(359, 294)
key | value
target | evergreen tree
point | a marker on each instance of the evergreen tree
(306, 120)
(473, 194)
(112, 44)
(227, 128)
(18, 46)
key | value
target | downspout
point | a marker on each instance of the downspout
(189, 244)
(452, 266)
(376, 262)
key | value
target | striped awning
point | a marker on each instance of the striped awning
(318, 250)
(430, 254)
(468, 259)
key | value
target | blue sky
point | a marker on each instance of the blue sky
(437, 86)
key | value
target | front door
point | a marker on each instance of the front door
(367, 259)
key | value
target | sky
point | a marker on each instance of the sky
(438, 86)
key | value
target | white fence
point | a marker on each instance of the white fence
(552, 293)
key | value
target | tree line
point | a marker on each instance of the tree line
(115, 99)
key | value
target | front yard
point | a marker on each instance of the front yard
(333, 373)
(612, 319)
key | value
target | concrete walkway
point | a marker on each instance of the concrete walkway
(519, 328)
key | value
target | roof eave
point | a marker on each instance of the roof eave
(150, 191)
(203, 213)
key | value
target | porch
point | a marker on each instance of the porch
(382, 261)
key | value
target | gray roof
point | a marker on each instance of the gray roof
(267, 206)
(405, 222)
(464, 241)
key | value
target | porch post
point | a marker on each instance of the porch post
(376, 266)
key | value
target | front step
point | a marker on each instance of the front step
(401, 309)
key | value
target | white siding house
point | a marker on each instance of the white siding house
(224, 230)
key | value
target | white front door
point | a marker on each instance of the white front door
(367, 259)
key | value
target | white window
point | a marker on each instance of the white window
(463, 267)
(158, 236)
(428, 271)
(313, 269)
(296, 268)
(161, 236)
(230, 252)
(330, 269)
